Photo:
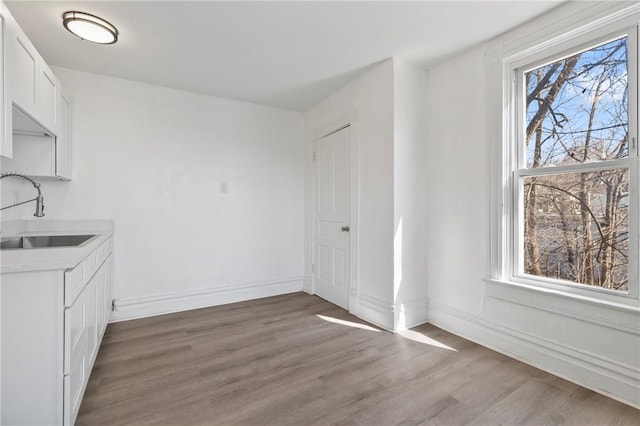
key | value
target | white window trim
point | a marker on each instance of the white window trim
(603, 24)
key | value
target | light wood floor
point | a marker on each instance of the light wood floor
(286, 361)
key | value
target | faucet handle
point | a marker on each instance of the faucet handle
(39, 206)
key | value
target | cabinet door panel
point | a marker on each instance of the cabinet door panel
(75, 321)
(74, 385)
(63, 141)
(24, 73)
(92, 331)
(47, 106)
(100, 314)
(108, 287)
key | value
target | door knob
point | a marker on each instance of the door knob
(345, 228)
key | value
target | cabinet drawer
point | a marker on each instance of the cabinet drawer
(91, 263)
(98, 256)
(107, 247)
(75, 279)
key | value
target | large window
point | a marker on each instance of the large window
(574, 164)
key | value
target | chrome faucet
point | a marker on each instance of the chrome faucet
(39, 200)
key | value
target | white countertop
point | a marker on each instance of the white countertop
(55, 258)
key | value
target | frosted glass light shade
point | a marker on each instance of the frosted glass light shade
(89, 27)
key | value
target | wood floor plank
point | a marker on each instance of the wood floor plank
(298, 360)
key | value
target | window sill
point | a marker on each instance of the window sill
(621, 316)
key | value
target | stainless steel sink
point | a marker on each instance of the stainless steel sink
(45, 241)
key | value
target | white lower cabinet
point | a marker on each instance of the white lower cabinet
(52, 326)
(87, 319)
(77, 350)
(76, 374)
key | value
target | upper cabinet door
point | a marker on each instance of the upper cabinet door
(63, 141)
(47, 106)
(6, 136)
(24, 73)
(34, 86)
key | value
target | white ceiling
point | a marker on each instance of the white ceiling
(283, 54)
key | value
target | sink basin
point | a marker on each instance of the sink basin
(45, 241)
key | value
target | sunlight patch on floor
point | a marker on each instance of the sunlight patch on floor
(421, 338)
(348, 323)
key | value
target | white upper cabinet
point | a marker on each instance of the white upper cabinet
(48, 102)
(6, 140)
(25, 63)
(36, 115)
(38, 154)
(63, 140)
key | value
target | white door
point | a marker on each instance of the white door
(332, 214)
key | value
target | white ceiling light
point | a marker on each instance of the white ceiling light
(90, 27)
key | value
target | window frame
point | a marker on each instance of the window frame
(514, 168)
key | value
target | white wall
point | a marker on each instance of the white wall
(22, 193)
(367, 103)
(410, 199)
(458, 183)
(593, 344)
(152, 159)
(386, 109)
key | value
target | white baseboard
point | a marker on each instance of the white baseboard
(308, 284)
(387, 316)
(127, 309)
(411, 314)
(375, 311)
(615, 380)
(353, 301)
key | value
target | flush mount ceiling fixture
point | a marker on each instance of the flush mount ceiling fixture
(90, 27)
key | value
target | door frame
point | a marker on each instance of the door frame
(334, 127)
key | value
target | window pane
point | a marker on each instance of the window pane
(576, 227)
(577, 108)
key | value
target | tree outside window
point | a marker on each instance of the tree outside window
(573, 180)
